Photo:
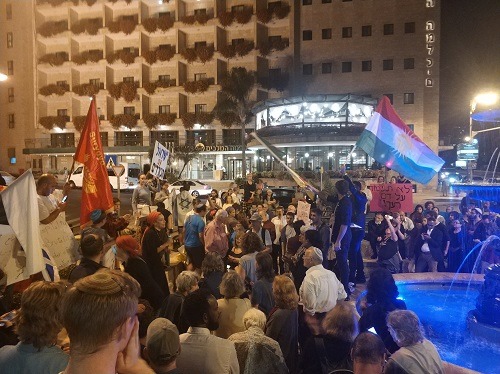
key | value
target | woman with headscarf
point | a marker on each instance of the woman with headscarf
(155, 244)
(130, 253)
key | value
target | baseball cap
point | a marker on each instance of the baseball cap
(256, 217)
(162, 341)
(97, 215)
(479, 211)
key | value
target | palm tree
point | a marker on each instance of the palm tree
(234, 105)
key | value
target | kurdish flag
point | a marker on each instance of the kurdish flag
(388, 140)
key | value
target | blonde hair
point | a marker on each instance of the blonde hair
(231, 285)
(342, 322)
(254, 318)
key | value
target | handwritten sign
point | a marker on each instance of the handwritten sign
(12, 257)
(159, 161)
(59, 241)
(392, 197)
(303, 210)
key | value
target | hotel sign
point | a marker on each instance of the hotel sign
(430, 40)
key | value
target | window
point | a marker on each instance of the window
(237, 41)
(390, 97)
(130, 50)
(10, 40)
(347, 32)
(163, 14)
(409, 98)
(200, 76)
(389, 29)
(200, 108)
(8, 11)
(307, 35)
(411, 126)
(164, 109)
(11, 94)
(168, 138)
(95, 82)
(326, 34)
(409, 27)
(366, 65)
(62, 112)
(124, 138)
(409, 63)
(12, 121)
(129, 110)
(307, 69)
(206, 137)
(199, 12)
(11, 154)
(307, 2)
(326, 68)
(128, 79)
(62, 140)
(366, 30)
(239, 8)
(104, 138)
(163, 78)
(198, 45)
(326, 1)
(231, 136)
(388, 64)
(62, 83)
(274, 73)
(10, 67)
(346, 66)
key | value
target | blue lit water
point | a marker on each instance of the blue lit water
(443, 311)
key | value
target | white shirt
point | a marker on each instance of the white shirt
(47, 204)
(320, 290)
(407, 224)
(204, 353)
(279, 223)
(425, 246)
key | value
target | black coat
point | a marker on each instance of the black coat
(151, 241)
(150, 290)
(435, 243)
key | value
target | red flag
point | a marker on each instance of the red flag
(96, 192)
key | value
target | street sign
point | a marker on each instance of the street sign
(118, 169)
(110, 163)
(467, 151)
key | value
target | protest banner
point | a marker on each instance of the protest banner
(12, 257)
(391, 197)
(59, 241)
(159, 161)
(303, 210)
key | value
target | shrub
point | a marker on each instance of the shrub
(202, 18)
(150, 87)
(281, 11)
(166, 118)
(264, 15)
(226, 18)
(165, 53)
(150, 57)
(150, 120)
(228, 119)
(264, 49)
(165, 23)
(205, 118)
(188, 20)
(228, 51)
(190, 87)
(126, 90)
(244, 16)
(189, 54)
(79, 122)
(150, 24)
(188, 120)
(86, 89)
(127, 120)
(50, 121)
(53, 89)
(244, 48)
(205, 53)
(202, 85)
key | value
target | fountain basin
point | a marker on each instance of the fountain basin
(443, 311)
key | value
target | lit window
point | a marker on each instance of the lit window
(11, 94)
(347, 32)
(12, 121)
(10, 67)
(10, 40)
(129, 110)
(200, 108)
(164, 109)
(366, 65)
(409, 98)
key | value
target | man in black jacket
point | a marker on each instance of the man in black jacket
(430, 246)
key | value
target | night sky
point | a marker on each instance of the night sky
(470, 61)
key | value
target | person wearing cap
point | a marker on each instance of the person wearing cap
(203, 352)
(99, 313)
(92, 249)
(155, 249)
(98, 218)
(130, 253)
(163, 346)
(320, 289)
(215, 236)
(264, 234)
(194, 240)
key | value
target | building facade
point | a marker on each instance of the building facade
(155, 68)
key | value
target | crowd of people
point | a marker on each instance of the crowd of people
(263, 291)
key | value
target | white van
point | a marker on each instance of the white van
(76, 179)
(131, 172)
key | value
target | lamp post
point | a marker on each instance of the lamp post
(3, 77)
(487, 98)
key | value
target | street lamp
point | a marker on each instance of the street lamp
(486, 98)
(3, 77)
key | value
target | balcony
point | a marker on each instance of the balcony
(198, 86)
(54, 59)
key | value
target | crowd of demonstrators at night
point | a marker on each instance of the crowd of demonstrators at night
(258, 291)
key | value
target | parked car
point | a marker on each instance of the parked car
(196, 187)
(283, 195)
(9, 178)
(76, 179)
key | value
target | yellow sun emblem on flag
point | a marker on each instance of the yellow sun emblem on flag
(404, 145)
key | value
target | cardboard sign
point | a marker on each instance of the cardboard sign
(59, 241)
(12, 257)
(303, 210)
(159, 161)
(391, 197)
